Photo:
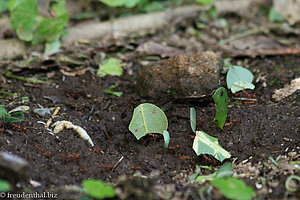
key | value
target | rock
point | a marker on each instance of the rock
(183, 76)
(12, 167)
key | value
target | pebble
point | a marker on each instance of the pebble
(182, 76)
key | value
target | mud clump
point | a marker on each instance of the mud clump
(183, 76)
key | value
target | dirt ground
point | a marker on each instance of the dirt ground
(259, 129)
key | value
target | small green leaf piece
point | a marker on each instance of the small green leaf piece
(166, 139)
(241, 85)
(4, 186)
(109, 91)
(238, 73)
(114, 3)
(225, 170)
(2, 111)
(52, 47)
(23, 15)
(204, 2)
(13, 117)
(193, 119)
(98, 189)
(221, 99)
(147, 118)
(110, 67)
(274, 16)
(205, 144)
(233, 188)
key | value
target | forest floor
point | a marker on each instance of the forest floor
(255, 130)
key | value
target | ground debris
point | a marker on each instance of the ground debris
(287, 90)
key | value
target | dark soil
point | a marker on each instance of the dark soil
(258, 131)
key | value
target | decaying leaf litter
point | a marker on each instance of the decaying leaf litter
(255, 130)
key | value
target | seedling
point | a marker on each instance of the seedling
(11, 117)
(111, 67)
(239, 78)
(230, 187)
(288, 180)
(221, 99)
(148, 118)
(98, 189)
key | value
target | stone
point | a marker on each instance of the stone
(13, 168)
(183, 76)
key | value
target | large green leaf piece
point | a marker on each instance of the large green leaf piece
(51, 29)
(233, 188)
(23, 15)
(221, 99)
(98, 189)
(205, 144)
(147, 118)
(238, 73)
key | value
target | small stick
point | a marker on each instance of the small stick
(117, 163)
(244, 99)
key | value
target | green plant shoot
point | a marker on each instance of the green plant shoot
(98, 189)
(221, 99)
(193, 119)
(148, 118)
(205, 144)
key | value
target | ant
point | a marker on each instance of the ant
(210, 160)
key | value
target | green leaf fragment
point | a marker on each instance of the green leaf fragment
(51, 29)
(166, 139)
(224, 171)
(233, 188)
(238, 73)
(241, 85)
(2, 111)
(221, 99)
(110, 67)
(193, 119)
(23, 15)
(274, 16)
(205, 144)
(147, 118)
(204, 2)
(52, 47)
(109, 91)
(4, 186)
(13, 117)
(98, 189)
